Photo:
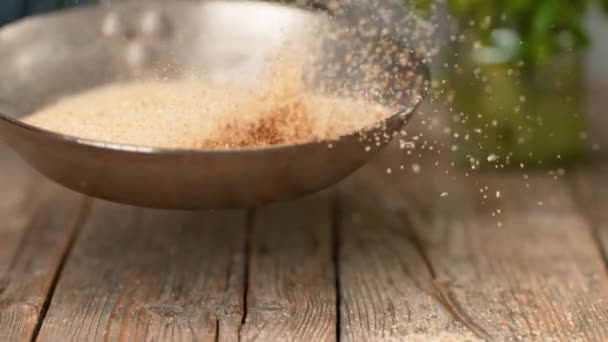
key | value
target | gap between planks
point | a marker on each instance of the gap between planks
(291, 291)
(537, 276)
(421, 276)
(78, 223)
(40, 221)
(153, 275)
(138, 273)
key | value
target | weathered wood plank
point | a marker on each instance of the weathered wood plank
(547, 272)
(292, 294)
(38, 221)
(534, 271)
(139, 274)
(387, 291)
(530, 271)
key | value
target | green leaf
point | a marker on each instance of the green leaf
(544, 26)
(545, 18)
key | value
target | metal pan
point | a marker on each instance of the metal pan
(46, 57)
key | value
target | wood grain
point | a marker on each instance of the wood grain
(292, 294)
(38, 221)
(529, 272)
(388, 292)
(151, 275)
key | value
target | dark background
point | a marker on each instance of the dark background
(14, 9)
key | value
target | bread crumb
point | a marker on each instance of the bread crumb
(193, 114)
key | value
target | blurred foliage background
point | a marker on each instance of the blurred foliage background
(516, 77)
(544, 28)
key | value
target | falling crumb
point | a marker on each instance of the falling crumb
(492, 158)
(403, 144)
(389, 170)
(416, 168)
(497, 194)
(444, 194)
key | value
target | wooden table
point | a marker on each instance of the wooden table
(399, 256)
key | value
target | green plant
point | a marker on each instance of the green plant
(544, 28)
(515, 74)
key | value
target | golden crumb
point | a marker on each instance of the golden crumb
(280, 109)
(193, 114)
(187, 114)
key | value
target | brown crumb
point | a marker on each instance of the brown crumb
(188, 114)
(280, 109)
